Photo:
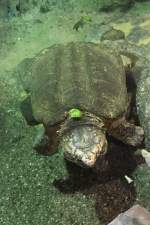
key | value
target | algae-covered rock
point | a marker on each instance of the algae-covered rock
(10, 8)
(143, 103)
(113, 35)
(141, 178)
(141, 76)
(110, 5)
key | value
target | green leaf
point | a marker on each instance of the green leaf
(75, 113)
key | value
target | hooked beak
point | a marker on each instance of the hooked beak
(83, 145)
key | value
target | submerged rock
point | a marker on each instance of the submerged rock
(146, 156)
(140, 73)
(113, 35)
(136, 215)
(143, 105)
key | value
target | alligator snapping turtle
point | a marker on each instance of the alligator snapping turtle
(78, 92)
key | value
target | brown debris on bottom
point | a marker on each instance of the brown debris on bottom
(112, 198)
(107, 184)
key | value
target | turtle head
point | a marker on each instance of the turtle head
(83, 143)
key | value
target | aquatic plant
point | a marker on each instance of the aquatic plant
(82, 21)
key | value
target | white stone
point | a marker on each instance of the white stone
(136, 215)
(146, 156)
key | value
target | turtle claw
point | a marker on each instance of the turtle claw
(42, 145)
(45, 143)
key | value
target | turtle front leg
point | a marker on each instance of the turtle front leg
(47, 141)
(128, 133)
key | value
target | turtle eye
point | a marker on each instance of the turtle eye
(75, 113)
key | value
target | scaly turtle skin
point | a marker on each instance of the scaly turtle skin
(86, 77)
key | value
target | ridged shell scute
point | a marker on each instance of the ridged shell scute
(83, 75)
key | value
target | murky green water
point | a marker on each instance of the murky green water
(41, 190)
